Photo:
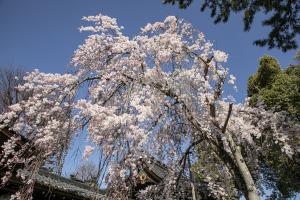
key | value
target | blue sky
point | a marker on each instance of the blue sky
(43, 34)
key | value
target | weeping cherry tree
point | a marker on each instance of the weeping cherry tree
(156, 95)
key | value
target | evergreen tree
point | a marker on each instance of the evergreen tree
(279, 90)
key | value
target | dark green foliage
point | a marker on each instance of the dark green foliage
(181, 3)
(284, 19)
(281, 174)
(267, 72)
(279, 90)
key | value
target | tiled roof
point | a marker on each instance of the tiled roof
(47, 179)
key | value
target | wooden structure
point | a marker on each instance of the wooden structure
(54, 187)
(47, 185)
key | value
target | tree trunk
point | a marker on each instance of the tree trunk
(194, 193)
(243, 169)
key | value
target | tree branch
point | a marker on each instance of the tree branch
(227, 118)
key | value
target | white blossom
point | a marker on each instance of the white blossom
(87, 152)
(220, 56)
(232, 79)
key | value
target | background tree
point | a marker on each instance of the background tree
(94, 171)
(10, 77)
(279, 90)
(284, 19)
(86, 172)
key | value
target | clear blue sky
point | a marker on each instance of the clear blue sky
(44, 33)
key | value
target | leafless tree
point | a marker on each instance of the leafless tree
(86, 172)
(10, 77)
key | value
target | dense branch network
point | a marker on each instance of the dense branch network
(159, 94)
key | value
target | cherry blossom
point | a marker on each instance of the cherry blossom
(156, 95)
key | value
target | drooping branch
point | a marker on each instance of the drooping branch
(182, 161)
(227, 118)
